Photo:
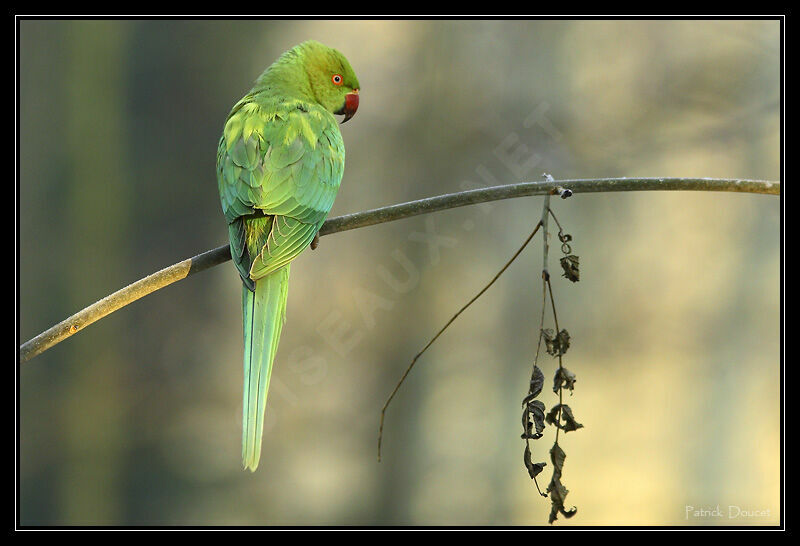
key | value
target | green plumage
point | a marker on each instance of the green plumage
(264, 313)
(279, 165)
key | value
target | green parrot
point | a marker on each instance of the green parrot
(279, 165)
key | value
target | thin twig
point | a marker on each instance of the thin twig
(211, 258)
(449, 322)
(545, 234)
(536, 361)
(553, 214)
(546, 213)
(560, 365)
(541, 327)
(524, 189)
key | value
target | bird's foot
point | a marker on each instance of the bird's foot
(315, 242)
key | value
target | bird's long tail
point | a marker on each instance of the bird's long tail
(264, 313)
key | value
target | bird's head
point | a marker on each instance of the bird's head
(333, 81)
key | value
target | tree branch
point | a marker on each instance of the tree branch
(211, 258)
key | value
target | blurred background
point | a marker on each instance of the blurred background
(674, 324)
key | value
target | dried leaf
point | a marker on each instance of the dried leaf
(570, 265)
(556, 489)
(556, 344)
(567, 421)
(533, 419)
(558, 494)
(537, 382)
(533, 410)
(534, 469)
(557, 456)
(563, 379)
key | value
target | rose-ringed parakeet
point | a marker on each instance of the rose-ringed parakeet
(279, 164)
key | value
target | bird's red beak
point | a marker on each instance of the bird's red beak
(350, 105)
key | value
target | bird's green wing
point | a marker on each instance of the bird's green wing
(278, 169)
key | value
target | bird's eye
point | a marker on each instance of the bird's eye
(336, 79)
